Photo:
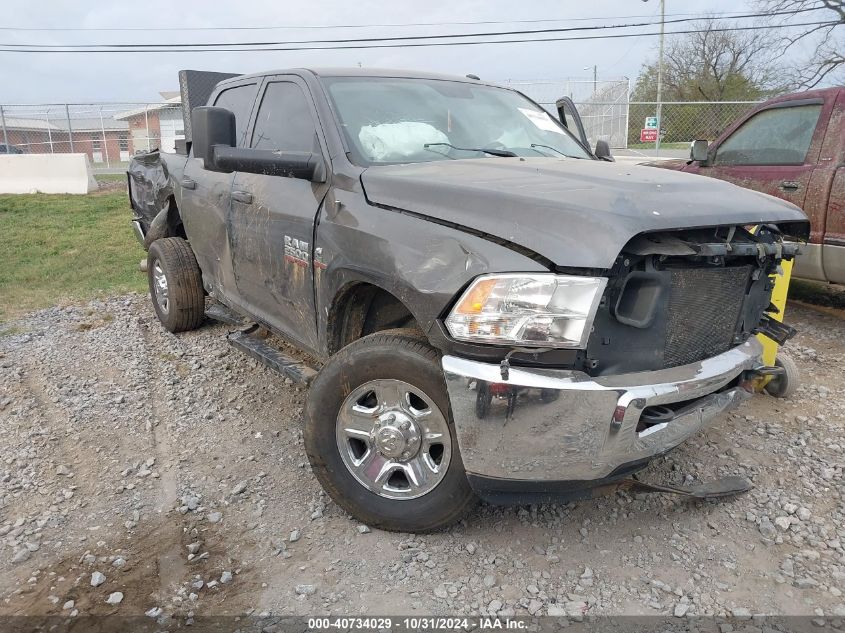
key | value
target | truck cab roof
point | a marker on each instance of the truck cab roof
(342, 71)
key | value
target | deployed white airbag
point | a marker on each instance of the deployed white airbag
(395, 141)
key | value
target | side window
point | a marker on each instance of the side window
(238, 100)
(284, 119)
(778, 136)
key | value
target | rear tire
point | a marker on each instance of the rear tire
(175, 284)
(436, 491)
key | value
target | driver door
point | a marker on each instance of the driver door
(271, 231)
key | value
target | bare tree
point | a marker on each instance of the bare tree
(827, 39)
(712, 64)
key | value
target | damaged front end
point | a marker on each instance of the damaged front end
(672, 347)
(679, 297)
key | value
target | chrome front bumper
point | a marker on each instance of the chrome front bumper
(568, 426)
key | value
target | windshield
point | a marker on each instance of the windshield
(396, 120)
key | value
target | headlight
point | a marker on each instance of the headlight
(543, 310)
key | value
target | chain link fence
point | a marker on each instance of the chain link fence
(684, 122)
(109, 133)
(602, 104)
(607, 113)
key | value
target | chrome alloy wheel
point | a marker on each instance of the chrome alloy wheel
(393, 439)
(160, 287)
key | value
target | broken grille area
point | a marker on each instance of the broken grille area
(703, 310)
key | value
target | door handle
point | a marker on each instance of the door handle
(242, 196)
(790, 185)
(188, 183)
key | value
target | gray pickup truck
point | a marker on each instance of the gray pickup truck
(491, 310)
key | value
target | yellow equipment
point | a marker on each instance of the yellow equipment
(786, 383)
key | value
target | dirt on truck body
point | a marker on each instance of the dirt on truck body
(489, 309)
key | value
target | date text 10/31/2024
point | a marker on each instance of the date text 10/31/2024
(416, 624)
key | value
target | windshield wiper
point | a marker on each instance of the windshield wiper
(503, 153)
(554, 149)
(443, 154)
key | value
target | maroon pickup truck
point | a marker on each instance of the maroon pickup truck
(792, 147)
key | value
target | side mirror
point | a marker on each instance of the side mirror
(603, 151)
(211, 127)
(303, 165)
(698, 151)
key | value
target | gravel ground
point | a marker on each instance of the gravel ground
(143, 472)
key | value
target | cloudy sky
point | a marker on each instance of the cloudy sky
(78, 77)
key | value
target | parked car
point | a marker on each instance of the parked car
(792, 147)
(10, 149)
(439, 245)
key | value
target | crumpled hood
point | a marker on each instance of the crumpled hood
(577, 213)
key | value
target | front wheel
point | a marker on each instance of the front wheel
(379, 436)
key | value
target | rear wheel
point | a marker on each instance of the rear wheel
(379, 435)
(175, 284)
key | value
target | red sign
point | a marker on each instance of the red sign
(648, 135)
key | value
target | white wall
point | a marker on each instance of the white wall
(46, 173)
(172, 127)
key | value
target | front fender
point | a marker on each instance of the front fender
(423, 264)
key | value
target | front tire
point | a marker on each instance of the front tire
(175, 284)
(380, 438)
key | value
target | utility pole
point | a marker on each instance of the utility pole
(660, 78)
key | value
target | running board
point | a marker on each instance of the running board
(247, 342)
(221, 313)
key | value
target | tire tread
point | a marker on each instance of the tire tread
(415, 342)
(187, 299)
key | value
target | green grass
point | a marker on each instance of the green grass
(103, 178)
(65, 247)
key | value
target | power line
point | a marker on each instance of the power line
(398, 38)
(407, 44)
(725, 14)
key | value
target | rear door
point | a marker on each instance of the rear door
(272, 218)
(774, 151)
(206, 196)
